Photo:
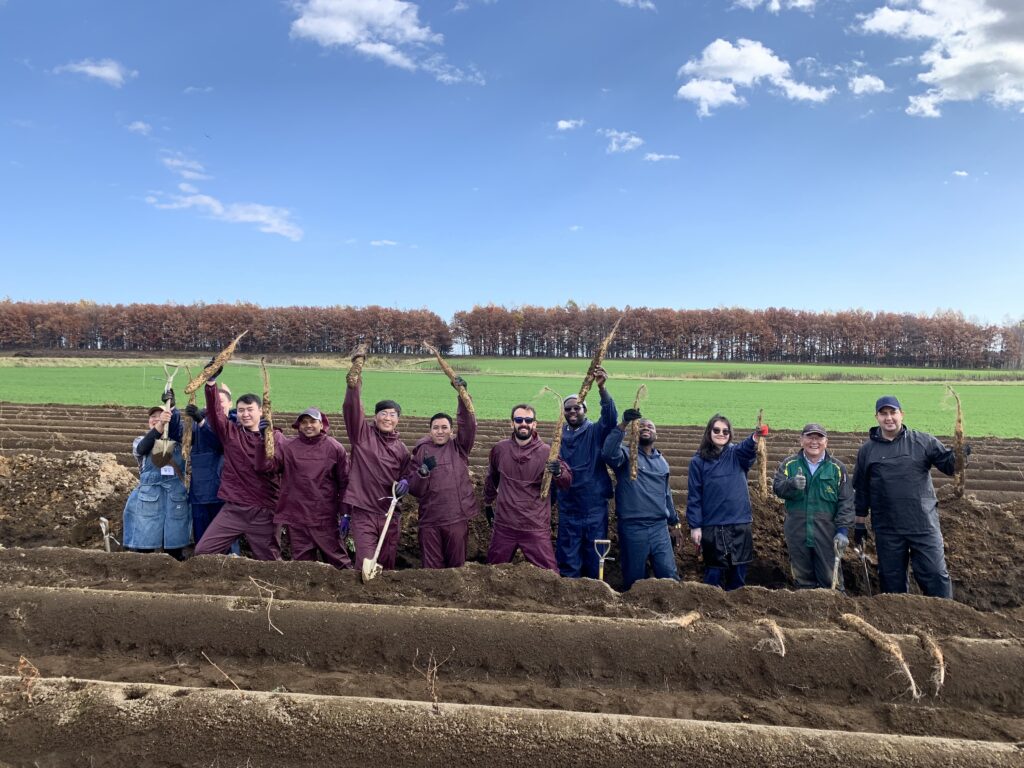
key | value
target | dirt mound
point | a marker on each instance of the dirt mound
(54, 501)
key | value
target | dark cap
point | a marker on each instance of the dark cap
(566, 400)
(313, 413)
(814, 429)
(887, 401)
(383, 405)
(154, 409)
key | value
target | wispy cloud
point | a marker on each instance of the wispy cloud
(191, 89)
(644, 5)
(569, 125)
(140, 127)
(575, 228)
(862, 85)
(724, 66)
(184, 166)
(383, 243)
(620, 141)
(109, 71)
(654, 157)
(961, 173)
(387, 30)
(267, 218)
(976, 51)
(775, 6)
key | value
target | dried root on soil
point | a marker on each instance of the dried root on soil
(226, 676)
(429, 674)
(959, 476)
(686, 620)
(264, 586)
(885, 644)
(219, 361)
(29, 675)
(776, 642)
(938, 678)
(452, 376)
(355, 373)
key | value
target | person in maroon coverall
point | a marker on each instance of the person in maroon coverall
(521, 518)
(249, 496)
(313, 469)
(379, 459)
(439, 477)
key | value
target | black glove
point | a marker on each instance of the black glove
(168, 397)
(554, 467)
(967, 449)
(489, 515)
(631, 414)
(675, 533)
(428, 464)
(195, 413)
(458, 381)
(860, 534)
(216, 373)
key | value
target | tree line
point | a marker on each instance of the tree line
(851, 337)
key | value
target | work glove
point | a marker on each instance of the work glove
(428, 464)
(216, 373)
(343, 525)
(860, 534)
(402, 488)
(168, 397)
(800, 481)
(489, 515)
(968, 449)
(554, 467)
(675, 533)
(458, 381)
(631, 414)
(841, 542)
(761, 431)
(195, 413)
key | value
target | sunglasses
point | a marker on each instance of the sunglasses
(720, 431)
(523, 419)
(572, 408)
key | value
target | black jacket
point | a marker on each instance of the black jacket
(892, 480)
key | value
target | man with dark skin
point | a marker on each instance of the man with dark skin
(519, 516)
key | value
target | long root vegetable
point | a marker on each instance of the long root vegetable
(556, 444)
(186, 437)
(355, 373)
(219, 361)
(268, 415)
(885, 644)
(938, 661)
(634, 434)
(452, 376)
(776, 642)
(960, 474)
(762, 460)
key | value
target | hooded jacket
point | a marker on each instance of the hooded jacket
(892, 480)
(240, 482)
(514, 475)
(648, 499)
(446, 494)
(716, 489)
(378, 459)
(581, 450)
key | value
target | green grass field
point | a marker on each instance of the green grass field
(990, 409)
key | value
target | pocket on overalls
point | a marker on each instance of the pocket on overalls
(149, 502)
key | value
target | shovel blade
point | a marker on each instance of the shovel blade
(371, 569)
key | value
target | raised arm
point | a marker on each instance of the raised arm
(216, 418)
(467, 427)
(746, 453)
(614, 453)
(352, 411)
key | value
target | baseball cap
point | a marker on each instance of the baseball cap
(814, 429)
(887, 401)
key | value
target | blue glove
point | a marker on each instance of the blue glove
(841, 541)
(402, 488)
(343, 525)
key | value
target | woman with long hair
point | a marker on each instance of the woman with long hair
(718, 507)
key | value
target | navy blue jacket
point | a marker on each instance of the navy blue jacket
(648, 499)
(716, 491)
(207, 459)
(581, 450)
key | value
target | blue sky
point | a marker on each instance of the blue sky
(814, 154)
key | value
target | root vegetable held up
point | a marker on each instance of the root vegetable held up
(268, 415)
(762, 460)
(634, 434)
(960, 474)
(219, 361)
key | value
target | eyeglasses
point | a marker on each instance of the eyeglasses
(720, 431)
(572, 408)
(523, 419)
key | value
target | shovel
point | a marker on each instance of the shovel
(163, 448)
(863, 555)
(371, 568)
(602, 547)
(107, 535)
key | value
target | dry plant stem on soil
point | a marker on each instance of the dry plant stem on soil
(960, 474)
(588, 382)
(355, 373)
(938, 661)
(776, 643)
(226, 677)
(762, 460)
(885, 644)
(29, 674)
(264, 586)
(634, 434)
(430, 674)
(268, 433)
(452, 376)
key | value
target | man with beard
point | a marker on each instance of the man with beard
(520, 518)
(439, 477)
(583, 508)
(379, 460)
(314, 472)
(648, 523)
(249, 496)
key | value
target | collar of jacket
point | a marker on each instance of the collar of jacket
(875, 433)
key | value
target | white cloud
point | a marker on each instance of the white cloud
(140, 127)
(267, 218)
(774, 6)
(189, 90)
(723, 66)
(866, 84)
(961, 173)
(109, 71)
(654, 157)
(575, 228)
(976, 49)
(569, 125)
(383, 243)
(621, 141)
(646, 5)
(185, 167)
(387, 30)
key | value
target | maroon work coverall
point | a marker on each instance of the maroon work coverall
(378, 460)
(447, 501)
(521, 517)
(249, 496)
(314, 473)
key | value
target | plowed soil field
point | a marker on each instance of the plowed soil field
(128, 659)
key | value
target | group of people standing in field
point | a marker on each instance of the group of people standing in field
(326, 496)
